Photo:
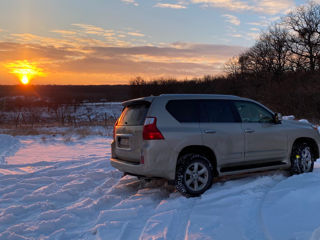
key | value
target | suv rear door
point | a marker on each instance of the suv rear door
(128, 131)
(221, 131)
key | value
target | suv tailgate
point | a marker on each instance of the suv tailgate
(128, 132)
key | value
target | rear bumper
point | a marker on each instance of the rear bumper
(123, 166)
(158, 161)
(146, 170)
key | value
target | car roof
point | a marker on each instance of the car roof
(199, 96)
(184, 96)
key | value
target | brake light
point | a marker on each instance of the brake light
(150, 130)
(114, 129)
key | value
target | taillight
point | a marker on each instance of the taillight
(114, 129)
(150, 130)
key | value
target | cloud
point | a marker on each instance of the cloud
(169, 5)
(228, 4)
(237, 35)
(264, 21)
(133, 2)
(232, 19)
(259, 24)
(90, 29)
(24, 69)
(253, 35)
(179, 49)
(118, 64)
(10, 51)
(94, 55)
(136, 34)
(82, 35)
(255, 29)
(262, 6)
(274, 6)
(64, 32)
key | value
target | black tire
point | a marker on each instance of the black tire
(302, 158)
(194, 175)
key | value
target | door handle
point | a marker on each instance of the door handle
(209, 131)
(248, 130)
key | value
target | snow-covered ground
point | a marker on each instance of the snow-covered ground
(52, 189)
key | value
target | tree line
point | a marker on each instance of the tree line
(62, 94)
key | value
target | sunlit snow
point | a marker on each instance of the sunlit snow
(52, 189)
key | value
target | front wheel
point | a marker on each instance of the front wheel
(193, 175)
(302, 158)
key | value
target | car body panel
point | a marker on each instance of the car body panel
(128, 143)
(227, 139)
(265, 142)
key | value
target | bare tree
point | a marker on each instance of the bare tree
(304, 40)
(269, 54)
(256, 59)
(61, 112)
(232, 67)
(276, 40)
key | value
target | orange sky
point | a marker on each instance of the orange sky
(57, 62)
(114, 41)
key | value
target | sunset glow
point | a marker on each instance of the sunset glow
(95, 46)
(24, 70)
(25, 80)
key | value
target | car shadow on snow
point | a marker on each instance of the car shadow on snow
(131, 185)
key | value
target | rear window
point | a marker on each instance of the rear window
(134, 115)
(216, 111)
(184, 111)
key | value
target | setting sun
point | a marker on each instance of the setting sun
(25, 70)
(25, 80)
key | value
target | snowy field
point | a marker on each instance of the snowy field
(100, 113)
(52, 189)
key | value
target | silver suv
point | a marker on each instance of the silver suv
(191, 139)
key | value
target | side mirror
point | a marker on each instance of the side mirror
(277, 118)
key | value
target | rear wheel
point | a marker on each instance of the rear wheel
(302, 158)
(194, 175)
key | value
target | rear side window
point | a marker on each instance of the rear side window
(184, 111)
(217, 111)
(134, 115)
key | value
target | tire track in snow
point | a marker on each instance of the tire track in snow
(138, 199)
(170, 219)
(262, 223)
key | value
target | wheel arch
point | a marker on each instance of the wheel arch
(310, 141)
(203, 150)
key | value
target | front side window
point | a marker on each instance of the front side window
(216, 111)
(251, 112)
